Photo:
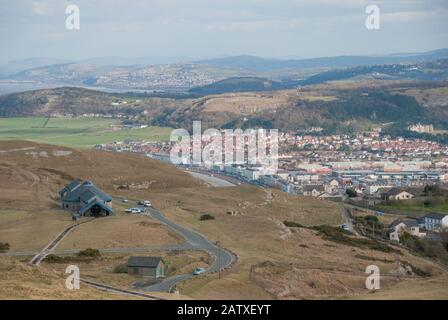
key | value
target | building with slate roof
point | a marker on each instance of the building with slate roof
(146, 266)
(85, 199)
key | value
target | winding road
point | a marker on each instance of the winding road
(221, 257)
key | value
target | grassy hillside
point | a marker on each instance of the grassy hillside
(344, 107)
(75, 132)
(238, 85)
(309, 264)
(59, 100)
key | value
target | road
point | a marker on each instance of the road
(221, 257)
(347, 219)
(211, 180)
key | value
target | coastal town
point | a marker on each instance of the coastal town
(366, 162)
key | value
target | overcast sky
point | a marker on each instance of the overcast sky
(210, 28)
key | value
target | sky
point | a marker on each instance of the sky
(215, 28)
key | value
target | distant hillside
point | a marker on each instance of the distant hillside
(173, 75)
(13, 67)
(433, 70)
(59, 100)
(240, 84)
(429, 71)
(337, 107)
(257, 64)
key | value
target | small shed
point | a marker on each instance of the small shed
(146, 266)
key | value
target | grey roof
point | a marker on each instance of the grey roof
(395, 223)
(395, 191)
(87, 195)
(434, 215)
(411, 223)
(310, 187)
(149, 262)
(408, 223)
(71, 186)
(74, 195)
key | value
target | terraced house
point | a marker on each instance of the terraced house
(85, 199)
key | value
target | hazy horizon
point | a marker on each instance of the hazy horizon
(192, 59)
(200, 29)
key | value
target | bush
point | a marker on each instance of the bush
(206, 217)
(338, 235)
(292, 224)
(419, 272)
(89, 253)
(427, 203)
(122, 268)
(4, 246)
(52, 258)
(351, 193)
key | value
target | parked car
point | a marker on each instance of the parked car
(145, 203)
(198, 271)
(125, 200)
(129, 210)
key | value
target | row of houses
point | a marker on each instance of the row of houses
(431, 222)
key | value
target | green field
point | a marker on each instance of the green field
(75, 132)
(415, 206)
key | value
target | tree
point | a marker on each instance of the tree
(351, 193)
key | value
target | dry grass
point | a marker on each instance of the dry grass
(413, 289)
(253, 102)
(310, 267)
(22, 281)
(300, 263)
(246, 103)
(31, 230)
(120, 231)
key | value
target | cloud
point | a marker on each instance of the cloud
(407, 16)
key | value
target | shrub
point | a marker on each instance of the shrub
(420, 272)
(4, 246)
(206, 217)
(89, 253)
(52, 258)
(292, 224)
(338, 235)
(122, 268)
(351, 193)
(372, 219)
